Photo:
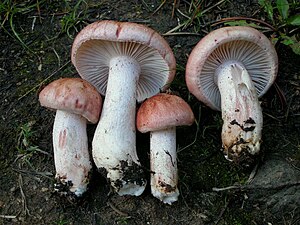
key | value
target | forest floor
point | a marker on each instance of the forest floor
(36, 39)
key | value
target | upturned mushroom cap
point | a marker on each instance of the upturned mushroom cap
(163, 111)
(243, 44)
(100, 41)
(73, 95)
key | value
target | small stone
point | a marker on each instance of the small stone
(44, 189)
(13, 189)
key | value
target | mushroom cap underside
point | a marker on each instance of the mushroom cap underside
(100, 41)
(244, 45)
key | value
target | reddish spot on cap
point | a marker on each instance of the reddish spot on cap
(73, 95)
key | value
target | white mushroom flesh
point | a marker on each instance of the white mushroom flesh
(114, 143)
(163, 165)
(71, 156)
(241, 110)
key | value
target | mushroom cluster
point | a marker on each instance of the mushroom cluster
(129, 63)
(126, 62)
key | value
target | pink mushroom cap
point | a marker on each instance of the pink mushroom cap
(163, 111)
(73, 95)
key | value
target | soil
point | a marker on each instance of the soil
(212, 189)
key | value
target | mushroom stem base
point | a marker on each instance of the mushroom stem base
(241, 111)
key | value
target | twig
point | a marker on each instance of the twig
(173, 9)
(181, 13)
(222, 212)
(43, 152)
(32, 173)
(290, 162)
(252, 174)
(159, 7)
(289, 106)
(226, 188)
(196, 135)
(43, 81)
(39, 10)
(7, 217)
(57, 56)
(280, 95)
(224, 20)
(180, 33)
(253, 187)
(24, 201)
(272, 117)
(175, 29)
(188, 22)
(117, 210)
(204, 11)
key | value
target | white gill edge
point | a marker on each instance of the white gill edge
(93, 65)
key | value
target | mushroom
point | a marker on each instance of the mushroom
(126, 62)
(75, 102)
(228, 70)
(160, 115)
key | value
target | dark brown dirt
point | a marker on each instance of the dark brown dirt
(26, 161)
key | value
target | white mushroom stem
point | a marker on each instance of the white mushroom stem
(71, 156)
(241, 110)
(163, 165)
(114, 143)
